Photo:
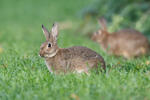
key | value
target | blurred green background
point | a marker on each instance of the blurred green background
(23, 74)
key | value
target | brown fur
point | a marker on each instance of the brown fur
(127, 42)
(75, 59)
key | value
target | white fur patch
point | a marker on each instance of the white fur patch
(80, 70)
(52, 55)
(49, 67)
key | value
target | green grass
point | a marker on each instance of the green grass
(23, 74)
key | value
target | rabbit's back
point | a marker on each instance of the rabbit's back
(79, 52)
(128, 44)
(130, 31)
(83, 52)
(127, 39)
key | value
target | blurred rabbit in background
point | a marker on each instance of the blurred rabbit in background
(127, 42)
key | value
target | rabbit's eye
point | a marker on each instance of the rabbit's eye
(49, 45)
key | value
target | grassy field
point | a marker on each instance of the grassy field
(24, 76)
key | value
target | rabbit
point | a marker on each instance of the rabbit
(128, 43)
(76, 59)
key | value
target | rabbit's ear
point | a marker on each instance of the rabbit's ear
(103, 23)
(46, 32)
(54, 30)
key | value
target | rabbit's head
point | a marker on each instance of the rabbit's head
(102, 33)
(49, 48)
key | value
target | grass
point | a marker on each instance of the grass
(23, 74)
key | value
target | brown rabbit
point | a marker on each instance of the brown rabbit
(75, 59)
(128, 42)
